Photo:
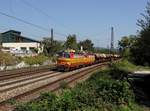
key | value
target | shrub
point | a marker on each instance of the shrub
(7, 59)
(67, 102)
(115, 92)
(35, 60)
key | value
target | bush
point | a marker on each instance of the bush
(7, 59)
(35, 60)
(114, 92)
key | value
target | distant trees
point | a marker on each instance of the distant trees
(71, 42)
(51, 46)
(101, 50)
(86, 44)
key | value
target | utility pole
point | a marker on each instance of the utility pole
(52, 35)
(112, 39)
(0, 41)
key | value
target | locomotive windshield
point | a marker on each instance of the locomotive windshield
(64, 54)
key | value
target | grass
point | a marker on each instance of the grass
(128, 66)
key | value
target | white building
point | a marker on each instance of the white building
(13, 42)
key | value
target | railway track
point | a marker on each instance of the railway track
(14, 74)
(30, 87)
(26, 69)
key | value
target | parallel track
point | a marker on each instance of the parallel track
(26, 69)
(14, 74)
(26, 81)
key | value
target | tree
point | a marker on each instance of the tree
(125, 45)
(51, 47)
(141, 49)
(87, 45)
(127, 42)
(71, 42)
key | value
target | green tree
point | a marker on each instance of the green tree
(71, 42)
(127, 42)
(51, 46)
(141, 49)
(125, 45)
(87, 45)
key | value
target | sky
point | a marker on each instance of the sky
(88, 19)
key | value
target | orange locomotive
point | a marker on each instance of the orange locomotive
(69, 60)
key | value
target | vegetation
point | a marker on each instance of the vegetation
(137, 49)
(101, 92)
(71, 42)
(125, 45)
(127, 42)
(35, 60)
(101, 50)
(141, 50)
(7, 59)
(51, 46)
(86, 44)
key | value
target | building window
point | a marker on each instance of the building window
(33, 49)
(6, 48)
(23, 48)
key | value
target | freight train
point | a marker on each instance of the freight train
(69, 60)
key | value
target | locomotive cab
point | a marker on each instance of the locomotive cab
(64, 60)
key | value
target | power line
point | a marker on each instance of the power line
(42, 12)
(47, 15)
(24, 21)
(29, 23)
(35, 8)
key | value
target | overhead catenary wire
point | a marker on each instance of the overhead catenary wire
(39, 10)
(29, 23)
(24, 21)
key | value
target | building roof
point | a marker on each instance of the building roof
(18, 34)
(26, 38)
(12, 31)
